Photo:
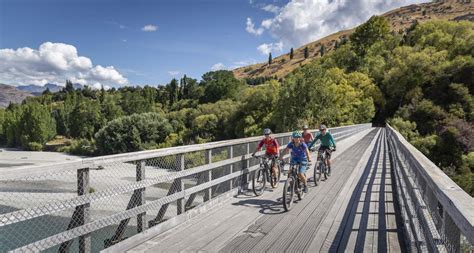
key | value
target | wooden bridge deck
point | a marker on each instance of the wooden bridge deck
(354, 210)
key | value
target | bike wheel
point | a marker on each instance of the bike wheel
(316, 175)
(325, 172)
(299, 186)
(288, 193)
(275, 179)
(259, 181)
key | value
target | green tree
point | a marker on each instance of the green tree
(270, 58)
(173, 90)
(36, 125)
(375, 29)
(257, 108)
(85, 119)
(322, 50)
(133, 133)
(69, 87)
(218, 85)
(291, 54)
(2, 126)
(306, 52)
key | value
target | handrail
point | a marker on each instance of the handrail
(437, 193)
(81, 224)
(16, 172)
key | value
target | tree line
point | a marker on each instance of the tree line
(419, 80)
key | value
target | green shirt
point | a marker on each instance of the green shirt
(326, 140)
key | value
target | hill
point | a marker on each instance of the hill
(400, 19)
(37, 90)
(11, 94)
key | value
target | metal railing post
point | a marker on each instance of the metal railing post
(208, 176)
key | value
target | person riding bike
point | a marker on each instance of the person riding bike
(271, 149)
(307, 135)
(327, 144)
(299, 155)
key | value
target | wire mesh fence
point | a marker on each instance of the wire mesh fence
(431, 221)
(95, 203)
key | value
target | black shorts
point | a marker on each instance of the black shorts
(327, 149)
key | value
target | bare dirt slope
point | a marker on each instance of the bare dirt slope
(401, 18)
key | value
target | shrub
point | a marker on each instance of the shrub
(34, 146)
(82, 147)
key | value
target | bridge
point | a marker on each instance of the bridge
(383, 195)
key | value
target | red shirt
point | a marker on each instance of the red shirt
(307, 137)
(271, 146)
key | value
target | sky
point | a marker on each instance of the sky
(115, 43)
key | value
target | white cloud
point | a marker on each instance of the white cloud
(54, 63)
(266, 48)
(303, 21)
(251, 28)
(218, 66)
(271, 8)
(173, 72)
(150, 28)
(267, 23)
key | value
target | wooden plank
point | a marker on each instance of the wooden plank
(272, 241)
(231, 233)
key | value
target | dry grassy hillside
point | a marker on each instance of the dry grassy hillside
(11, 94)
(400, 18)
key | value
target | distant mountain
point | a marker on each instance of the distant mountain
(399, 19)
(11, 94)
(37, 90)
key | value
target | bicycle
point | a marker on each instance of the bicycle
(320, 168)
(264, 174)
(292, 185)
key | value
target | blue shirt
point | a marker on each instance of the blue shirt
(298, 152)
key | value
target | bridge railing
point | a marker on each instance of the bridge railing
(438, 216)
(94, 203)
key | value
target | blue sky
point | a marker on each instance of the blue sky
(113, 43)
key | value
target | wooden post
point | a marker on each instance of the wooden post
(451, 233)
(180, 184)
(83, 187)
(208, 176)
(230, 155)
(140, 175)
(81, 215)
(245, 165)
(137, 199)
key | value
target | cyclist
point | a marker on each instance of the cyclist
(299, 155)
(327, 142)
(307, 135)
(271, 149)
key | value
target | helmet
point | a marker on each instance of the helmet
(267, 131)
(322, 127)
(305, 127)
(296, 134)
